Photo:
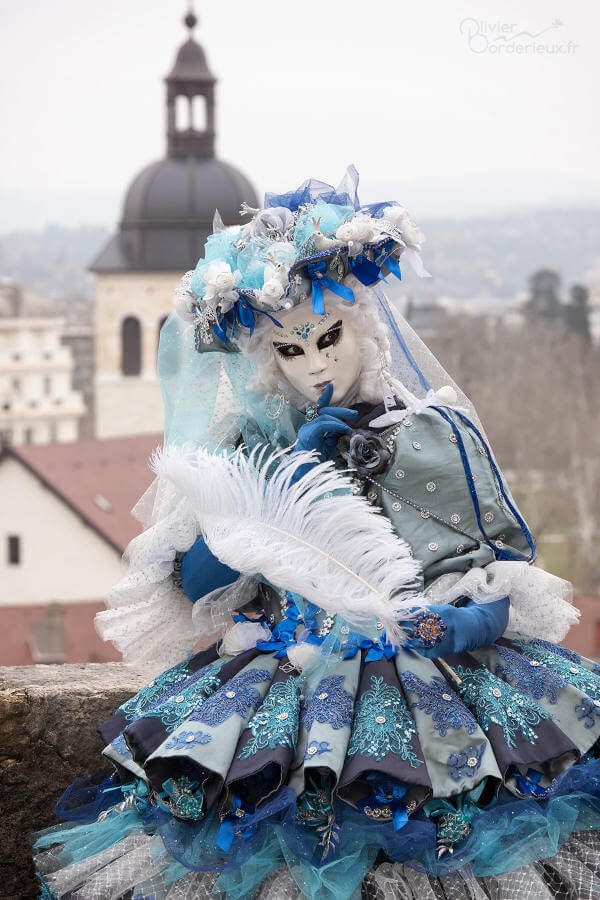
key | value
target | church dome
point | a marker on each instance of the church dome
(173, 190)
(169, 206)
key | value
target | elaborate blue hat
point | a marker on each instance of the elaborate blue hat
(300, 243)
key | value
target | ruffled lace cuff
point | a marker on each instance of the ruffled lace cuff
(541, 605)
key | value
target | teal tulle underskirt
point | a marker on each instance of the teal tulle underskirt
(506, 835)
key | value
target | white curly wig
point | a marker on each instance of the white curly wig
(374, 349)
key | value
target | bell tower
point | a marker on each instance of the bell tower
(167, 216)
(190, 100)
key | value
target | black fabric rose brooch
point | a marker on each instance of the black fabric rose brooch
(364, 451)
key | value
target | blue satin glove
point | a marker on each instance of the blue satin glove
(456, 629)
(323, 431)
(202, 572)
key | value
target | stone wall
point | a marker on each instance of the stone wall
(48, 721)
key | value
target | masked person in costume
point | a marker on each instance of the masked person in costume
(383, 707)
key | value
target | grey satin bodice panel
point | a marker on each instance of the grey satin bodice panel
(426, 468)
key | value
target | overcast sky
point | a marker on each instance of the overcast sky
(450, 123)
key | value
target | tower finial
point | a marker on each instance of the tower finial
(191, 19)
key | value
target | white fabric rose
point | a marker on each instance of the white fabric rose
(358, 229)
(221, 286)
(301, 654)
(269, 223)
(411, 234)
(394, 214)
(243, 636)
(272, 291)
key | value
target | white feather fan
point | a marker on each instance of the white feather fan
(312, 537)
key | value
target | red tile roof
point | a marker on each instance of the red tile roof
(80, 641)
(101, 480)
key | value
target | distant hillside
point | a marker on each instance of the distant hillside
(468, 258)
(53, 261)
(496, 255)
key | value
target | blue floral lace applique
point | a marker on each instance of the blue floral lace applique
(235, 696)
(529, 675)
(383, 724)
(187, 739)
(565, 652)
(154, 690)
(466, 762)
(276, 722)
(317, 748)
(176, 708)
(587, 709)
(439, 701)
(120, 745)
(493, 701)
(330, 704)
(565, 663)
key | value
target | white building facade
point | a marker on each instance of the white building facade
(37, 402)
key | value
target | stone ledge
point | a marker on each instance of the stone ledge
(48, 721)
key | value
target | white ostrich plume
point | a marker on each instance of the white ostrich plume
(312, 537)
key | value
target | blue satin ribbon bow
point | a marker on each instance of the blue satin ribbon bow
(316, 273)
(387, 795)
(375, 649)
(363, 269)
(232, 823)
(282, 635)
(529, 784)
(242, 311)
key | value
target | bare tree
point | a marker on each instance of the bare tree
(537, 391)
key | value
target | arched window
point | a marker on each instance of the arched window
(131, 346)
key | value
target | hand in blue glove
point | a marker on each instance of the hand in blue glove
(456, 629)
(322, 432)
(202, 572)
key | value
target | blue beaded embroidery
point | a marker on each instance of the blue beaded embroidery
(439, 701)
(330, 704)
(187, 739)
(317, 748)
(466, 762)
(176, 708)
(429, 629)
(151, 694)
(183, 799)
(276, 722)
(537, 681)
(512, 710)
(383, 724)
(562, 662)
(120, 745)
(572, 655)
(586, 710)
(236, 696)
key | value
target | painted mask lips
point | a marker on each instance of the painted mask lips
(321, 385)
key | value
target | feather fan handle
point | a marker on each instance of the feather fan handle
(311, 536)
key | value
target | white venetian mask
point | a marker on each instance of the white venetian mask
(312, 350)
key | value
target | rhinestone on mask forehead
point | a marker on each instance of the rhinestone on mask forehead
(302, 330)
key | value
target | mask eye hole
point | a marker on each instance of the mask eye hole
(289, 351)
(331, 336)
